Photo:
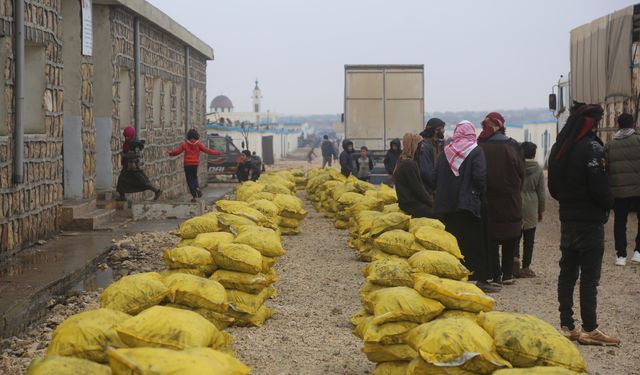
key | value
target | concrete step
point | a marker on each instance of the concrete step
(92, 220)
(105, 195)
(112, 204)
(71, 209)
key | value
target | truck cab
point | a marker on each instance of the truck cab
(560, 101)
(225, 164)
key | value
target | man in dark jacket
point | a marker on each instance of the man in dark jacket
(347, 159)
(622, 155)
(433, 139)
(327, 151)
(505, 177)
(248, 169)
(578, 180)
(391, 158)
(413, 198)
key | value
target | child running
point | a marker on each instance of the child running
(192, 148)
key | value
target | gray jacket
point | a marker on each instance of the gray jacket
(622, 158)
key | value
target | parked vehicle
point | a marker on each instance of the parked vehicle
(227, 163)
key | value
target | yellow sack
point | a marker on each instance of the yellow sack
(166, 327)
(349, 198)
(290, 206)
(420, 367)
(185, 242)
(527, 341)
(391, 368)
(267, 264)
(387, 194)
(58, 365)
(220, 320)
(189, 257)
(419, 222)
(364, 221)
(87, 335)
(335, 189)
(248, 189)
(265, 240)
(377, 254)
(134, 293)
(230, 221)
(401, 303)
(366, 204)
(386, 333)
(273, 179)
(265, 195)
(398, 242)
(367, 288)
(389, 272)
(242, 209)
(456, 342)
(289, 231)
(453, 294)
(249, 303)
(362, 186)
(313, 183)
(189, 271)
(210, 241)
(341, 224)
(238, 257)
(199, 224)
(537, 371)
(358, 317)
(459, 314)
(387, 222)
(153, 361)
(245, 282)
(276, 188)
(388, 353)
(252, 320)
(288, 222)
(197, 292)
(440, 264)
(439, 240)
(389, 208)
(297, 172)
(267, 207)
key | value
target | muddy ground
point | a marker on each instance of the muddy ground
(320, 276)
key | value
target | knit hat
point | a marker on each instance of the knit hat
(625, 121)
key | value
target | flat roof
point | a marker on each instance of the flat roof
(163, 21)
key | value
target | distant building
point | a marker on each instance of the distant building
(221, 110)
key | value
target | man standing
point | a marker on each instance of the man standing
(327, 151)
(433, 139)
(622, 156)
(578, 180)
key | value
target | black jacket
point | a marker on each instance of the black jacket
(413, 198)
(391, 158)
(248, 170)
(463, 192)
(347, 159)
(327, 149)
(583, 190)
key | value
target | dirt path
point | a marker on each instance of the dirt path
(310, 332)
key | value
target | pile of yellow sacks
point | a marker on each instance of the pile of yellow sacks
(421, 315)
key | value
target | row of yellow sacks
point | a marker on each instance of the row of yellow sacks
(402, 293)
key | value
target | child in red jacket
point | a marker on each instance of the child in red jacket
(192, 148)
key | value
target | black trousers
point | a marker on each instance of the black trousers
(191, 173)
(621, 209)
(503, 270)
(470, 233)
(528, 239)
(582, 246)
(326, 160)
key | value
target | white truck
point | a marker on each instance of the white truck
(382, 102)
(605, 69)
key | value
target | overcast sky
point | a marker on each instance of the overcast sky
(478, 55)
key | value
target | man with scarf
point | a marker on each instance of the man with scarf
(413, 198)
(430, 150)
(505, 178)
(461, 184)
(578, 180)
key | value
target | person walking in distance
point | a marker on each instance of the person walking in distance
(413, 198)
(461, 179)
(192, 148)
(392, 156)
(578, 180)
(327, 151)
(430, 150)
(622, 157)
(533, 203)
(505, 175)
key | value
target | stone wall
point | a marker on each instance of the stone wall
(29, 211)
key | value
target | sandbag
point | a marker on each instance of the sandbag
(197, 292)
(87, 334)
(389, 208)
(167, 327)
(249, 303)
(439, 263)
(267, 207)
(386, 333)
(238, 257)
(248, 189)
(364, 221)
(387, 222)
(349, 198)
(419, 222)
(220, 320)
(189, 271)
(289, 231)
(456, 342)
(435, 239)
(453, 294)
(387, 194)
(252, 320)
(398, 242)
(152, 361)
(265, 240)
(134, 293)
(377, 254)
(210, 241)
(401, 303)
(389, 272)
(391, 368)
(185, 242)
(190, 257)
(341, 224)
(527, 341)
(288, 222)
(420, 367)
(245, 282)
(459, 314)
(367, 203)
(243, 209)
(265, 195)
(230, 221)
(367, 288)
(58, 365)
(290, 206)
(200, 224)
(539, 370)
(388, 353)
(358, 317)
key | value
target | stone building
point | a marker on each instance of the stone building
(81, 59)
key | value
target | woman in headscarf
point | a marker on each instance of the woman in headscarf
(461, 178)
(412, 196)
(132, 179)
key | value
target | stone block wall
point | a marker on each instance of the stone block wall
(29, 211)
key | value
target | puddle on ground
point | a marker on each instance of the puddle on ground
(99, 279)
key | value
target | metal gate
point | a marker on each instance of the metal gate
(267, 150)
